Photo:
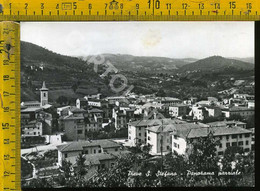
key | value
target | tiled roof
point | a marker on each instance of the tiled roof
(95, 110)
(31, 109)
(224, 123)
(184, 129)
(76, 110)
(79, 145)
(72, 117)
(94, 159)
(204, 131)
(154, 122)
(162, 128)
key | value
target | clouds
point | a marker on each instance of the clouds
(167, 39)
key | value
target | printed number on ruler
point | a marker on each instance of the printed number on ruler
(9, 106)
(93, 9)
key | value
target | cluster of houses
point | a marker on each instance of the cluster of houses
(167, 124)
(36, 121)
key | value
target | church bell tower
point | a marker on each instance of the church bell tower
(44, 95)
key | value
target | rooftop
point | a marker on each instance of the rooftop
(224, 123)
(76, 110)
(79, 145)
(217, 131)
(95, 110)
(31, 109)
(155, 122)
(72, 117)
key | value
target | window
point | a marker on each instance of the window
(139, 128)
(94, 150)
(148, 132)
(234, 136)
(85, 152)
(234, 144)
(34, 133)
(175, 136)
(220, 145)
(116, 149)
(227, 144)
(168, 147)
(65, 155)
(240, 143)
(247, 135)
(247, 150)
(227, 137)
(149, 138)
(99, 151)
(79, 131)
(178, 146)
(129, 137)
(247, 142)
(145, 134)
(139, 140)
(175, 144)
(220, 153)
(240, 136)
(140, 134)
(103, 166)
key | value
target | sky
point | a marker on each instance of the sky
(164, 39)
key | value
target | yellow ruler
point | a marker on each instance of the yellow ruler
(83, 10)
(9, 106)
(98, 10)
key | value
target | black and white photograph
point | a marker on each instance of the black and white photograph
(137, 104)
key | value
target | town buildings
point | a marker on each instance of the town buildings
(35, 121)
(178, 110)
(95, 148)
(171, 135)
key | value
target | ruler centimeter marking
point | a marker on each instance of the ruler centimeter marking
(9, 106)
(37, 10)
(83, 10)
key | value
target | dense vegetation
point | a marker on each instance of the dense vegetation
(69, 78)
(138, 169)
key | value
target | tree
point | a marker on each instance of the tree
(39, 183)
(161, 93)
(62, 100)
(81, 169)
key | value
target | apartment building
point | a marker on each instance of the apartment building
(227, 135)
(178, 110)
(156, 132)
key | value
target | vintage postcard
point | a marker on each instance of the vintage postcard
(137, 104)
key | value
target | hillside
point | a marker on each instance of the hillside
(215, 64)
(74, 77)
(64, 75)
(145, 64)
(247, 59)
